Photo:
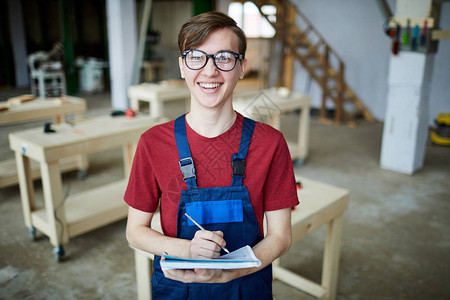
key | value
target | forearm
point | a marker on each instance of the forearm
(269, 249)
(152, 241)
(140, 235)
(276, 243)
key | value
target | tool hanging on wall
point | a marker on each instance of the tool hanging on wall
(423, 36)
(415, 37)
(413, 34)
(395, 41)
(406, 34)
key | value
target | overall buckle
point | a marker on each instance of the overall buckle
(238, 167)
(187, 168)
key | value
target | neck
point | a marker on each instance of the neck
(211, 123)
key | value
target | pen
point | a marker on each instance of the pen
(201, 227)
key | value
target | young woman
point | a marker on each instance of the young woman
(227, 170)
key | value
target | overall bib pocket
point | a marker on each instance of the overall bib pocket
(218, 211)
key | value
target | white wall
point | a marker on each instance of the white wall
(354, 29)
(440, 82)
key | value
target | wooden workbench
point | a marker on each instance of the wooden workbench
(320, 204)
(269, 105)
(62, 218)
(156, 95)
(37, 109)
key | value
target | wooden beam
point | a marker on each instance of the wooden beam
(440, 34)
(340, 91)
(324, 83)
(289, 55)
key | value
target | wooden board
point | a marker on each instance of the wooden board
(319, 203)
(88, 136)
(41, 109)
(88, 210)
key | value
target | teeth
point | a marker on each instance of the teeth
(209, 85)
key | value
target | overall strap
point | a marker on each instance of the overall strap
(186, 162)
(238, 159)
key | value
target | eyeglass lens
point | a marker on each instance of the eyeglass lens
(223, 60)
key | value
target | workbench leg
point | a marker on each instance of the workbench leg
(275, 265)
(128, 151)
(134, 104)
(274, 120)
(78, 117)
(26, 187)
(54, 206)
(83, 164)
(156, 109)
(331, 256)
(144, 271)
(303, 133)
(59, 118)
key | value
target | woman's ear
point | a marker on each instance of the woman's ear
(180, 65)
(243, 68)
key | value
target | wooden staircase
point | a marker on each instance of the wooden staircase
(302, 42)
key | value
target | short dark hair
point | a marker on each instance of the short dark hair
(196, 30)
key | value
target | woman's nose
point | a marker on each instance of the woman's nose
(210, 68)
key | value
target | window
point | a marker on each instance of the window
(248, 17)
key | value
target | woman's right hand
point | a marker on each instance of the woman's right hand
(206, 244)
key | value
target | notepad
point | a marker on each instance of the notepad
(238, 259)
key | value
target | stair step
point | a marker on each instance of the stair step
(316, 66)
(309, 56)
(301, 44)
(345, 98)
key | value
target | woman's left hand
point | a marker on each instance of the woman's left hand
(195, 275)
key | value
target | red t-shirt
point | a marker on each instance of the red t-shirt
(156, 175)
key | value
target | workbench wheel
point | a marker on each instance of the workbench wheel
(82, 174)
(59, 253)
(32, 233)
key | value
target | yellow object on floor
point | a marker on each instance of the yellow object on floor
(441, 135)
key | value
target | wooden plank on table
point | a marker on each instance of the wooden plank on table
(88, 210)
(305, 225)
(322, 203)
(41, 109)
(440, 34)
(96, 207)
(92, 135)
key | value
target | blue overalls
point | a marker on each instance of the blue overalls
(217, 208)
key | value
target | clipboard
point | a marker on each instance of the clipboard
(238, 259)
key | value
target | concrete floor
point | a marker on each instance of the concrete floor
(395, 245)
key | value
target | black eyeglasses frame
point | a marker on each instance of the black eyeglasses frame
(237, 57)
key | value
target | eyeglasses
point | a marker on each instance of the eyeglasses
(223, 60)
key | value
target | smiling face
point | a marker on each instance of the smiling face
(210, 87)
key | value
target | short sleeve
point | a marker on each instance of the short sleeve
(280, 189)
(142, 192)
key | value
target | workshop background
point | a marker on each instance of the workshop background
(395, 242)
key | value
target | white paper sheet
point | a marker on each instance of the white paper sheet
(240, 258)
